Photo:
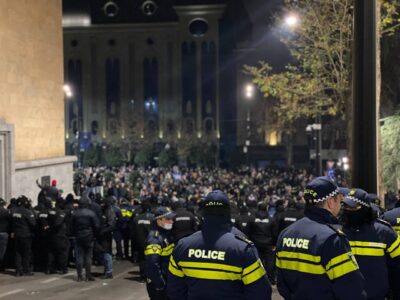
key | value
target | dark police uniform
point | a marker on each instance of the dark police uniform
(393, 218)
(184, 223)
(313, 259)
(216, 264)
(159, 246)
(376, 247)
(261, 233)
(58, 241)
(23, 224)
(141, 227)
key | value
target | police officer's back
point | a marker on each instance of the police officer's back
(261, 233)
(184, 221)
(58, 242)
(23, 225)
(313, 259)
(393, 218)
(293, 213)
(245, 219)
(84, 226)
(5, 222)
(140, 229)
(214, 263)
(375, 245)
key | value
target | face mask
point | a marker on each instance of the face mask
(167, 226)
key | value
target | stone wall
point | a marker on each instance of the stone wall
(31, 76)
(27, 172)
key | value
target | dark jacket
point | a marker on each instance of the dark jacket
(5, 220)
(261, 230)
(84, 224)
(314, 261)
(216, 264)
(107, 225)
(141, 227)
(376, 248)
(23, 222)
(184, 224)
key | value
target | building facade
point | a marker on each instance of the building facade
(31, 102)
(150, 76)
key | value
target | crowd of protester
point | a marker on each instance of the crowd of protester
(117, 206)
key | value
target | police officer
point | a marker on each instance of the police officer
(393, 218)
(84, 226)
(104, 242)
(4, 230)
(214, 263)
(293, 213)
(184, 221)
(141, 227)
(23, 225)
(159, 246)
(375, 245)
(57, 239)
(124, 225)
(261, 233)
(313, 259)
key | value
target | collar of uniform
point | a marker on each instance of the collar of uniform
(320, 215)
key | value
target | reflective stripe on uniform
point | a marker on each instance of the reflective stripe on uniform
(216, 266)
(341, 265)
(394, 249)
(153, 249)
(174, 269)
(167, 250)
(203, 270)
(397, 228)
(126, 213)
(299, 255)
(253, 272)
(298, 265)
(367, 248)
(311, 264)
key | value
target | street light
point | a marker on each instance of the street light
(291, 20)
(67, 90)
(249, 94)
(249, 91)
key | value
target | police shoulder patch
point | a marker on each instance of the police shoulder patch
(244, 239)
(336, 229)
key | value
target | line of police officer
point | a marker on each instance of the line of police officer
(318, 258)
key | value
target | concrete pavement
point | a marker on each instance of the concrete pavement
(124, 286)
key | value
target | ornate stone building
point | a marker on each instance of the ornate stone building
(142, 71)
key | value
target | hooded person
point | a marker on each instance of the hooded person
(215, 257)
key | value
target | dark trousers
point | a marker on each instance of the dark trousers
(84, 253)
(40, 251)
(117, 235)
(3, 248)
(126, 235)
(23, 254)
(267, 256)
(58, 253)
(154, 294)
